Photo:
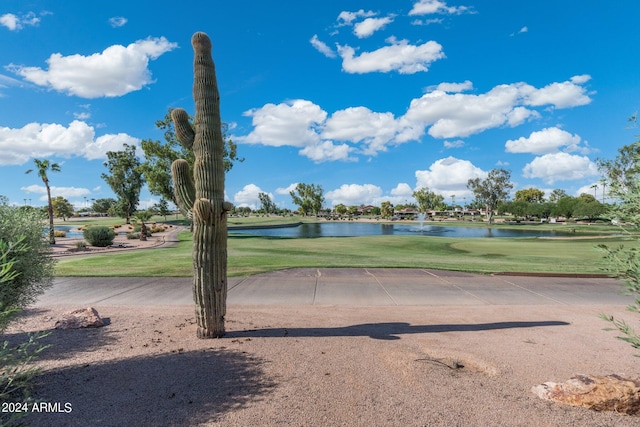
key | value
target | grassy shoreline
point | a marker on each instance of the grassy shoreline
(249, 254)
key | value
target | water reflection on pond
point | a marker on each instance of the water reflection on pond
(353, 229)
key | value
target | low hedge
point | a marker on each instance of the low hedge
(100, 236)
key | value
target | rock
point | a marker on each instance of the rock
(608, 393)
(81, 318)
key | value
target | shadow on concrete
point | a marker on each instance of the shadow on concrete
(179, 388)
(387, 331)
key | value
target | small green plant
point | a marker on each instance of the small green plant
(16, 369)
(33, 262)
(81, 245)
(100, 236)
(624, 263)
(60, 233)
(623, 175)
(133, 235)
(17, 373)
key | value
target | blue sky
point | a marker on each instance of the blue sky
(369, 99)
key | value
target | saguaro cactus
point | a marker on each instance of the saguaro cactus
(203, 195)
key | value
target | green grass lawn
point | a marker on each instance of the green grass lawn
(251, 255)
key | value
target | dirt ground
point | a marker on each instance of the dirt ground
(342, 366)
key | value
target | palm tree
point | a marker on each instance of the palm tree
(44, 166)
(143, 216)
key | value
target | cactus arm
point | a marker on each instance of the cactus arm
(184, 131)
(183, 188)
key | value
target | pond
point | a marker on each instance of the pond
(71, 230)
(353, 229)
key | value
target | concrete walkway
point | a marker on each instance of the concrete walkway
(346, 286)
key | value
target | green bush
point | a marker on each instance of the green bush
(133, 236)
(30, 252)
(100, 236)
(16, 369)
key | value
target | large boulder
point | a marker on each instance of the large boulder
(81, 318)
(608, 393)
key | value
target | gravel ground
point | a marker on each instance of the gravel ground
(325, 366)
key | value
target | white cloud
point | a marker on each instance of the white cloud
(111, 142)
(322, 47)
(560, 95)
(6, 81)
(118, 21)
(83, 115)
(583, 78)
(34, 140)
(402, 190)
(66, 192)
(370, 25)
(427, 21)
(16, 23)
(460, 115)
(548, 140)
(248, 196)
(287, 190)
(301, 123)
(519, 115)
(399, 56)
(354, 194)
(327, 151)
(523, 30)
(359, 124)
(560, 167)
(115, 71)
(449, 176)
(455, 87)
(427, 7)
(454, 144)
(347, 18)
(290, 123)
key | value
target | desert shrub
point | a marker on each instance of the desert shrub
(16, 369)
(29, 251)
(81, 244)
(624, 262)
(60, 233)
(133, 236)
(159, 229)
(17, 372)
(100, 236)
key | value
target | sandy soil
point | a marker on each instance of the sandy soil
(338, 366)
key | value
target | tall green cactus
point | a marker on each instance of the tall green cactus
(203, 195)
